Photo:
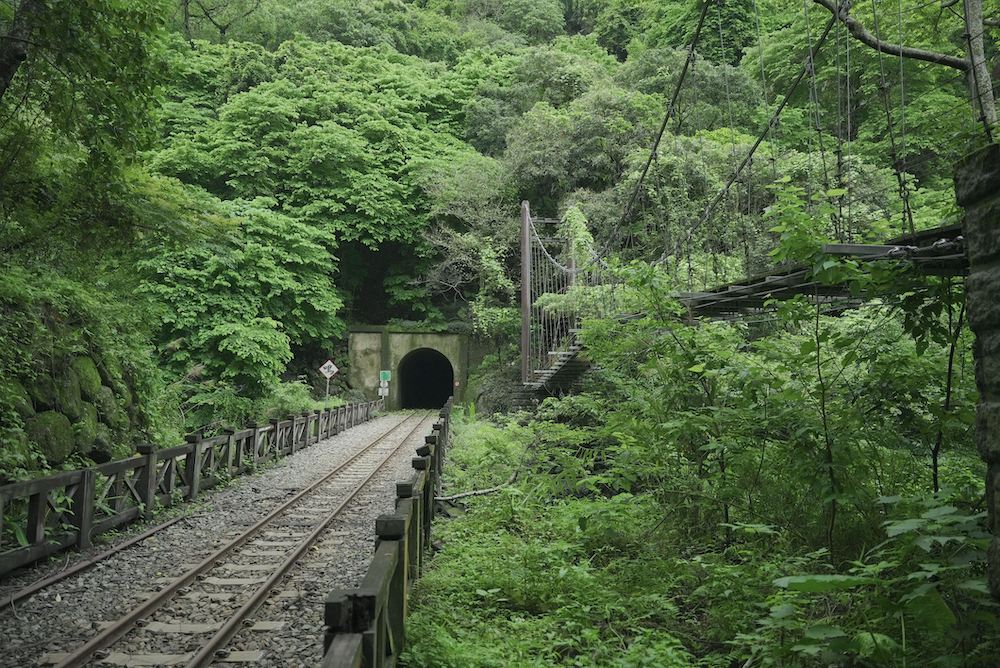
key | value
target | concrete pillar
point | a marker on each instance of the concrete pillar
(977, 186)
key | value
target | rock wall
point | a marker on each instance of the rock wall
(74, 405)
(977, 186)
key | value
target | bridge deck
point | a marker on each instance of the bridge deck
(938, 252)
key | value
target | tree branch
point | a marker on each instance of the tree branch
(859, 32)
(480, 492)
(223, 28)
(208, 15)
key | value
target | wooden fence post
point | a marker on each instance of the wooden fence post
(148, 479)
(424, 464)
(291, 440)
(192, 464)
(38, 507)
(392, 529)
(440, 433)
(275, 441)
(83, 508)
(230, 450)
(306, 429)
(337, 616)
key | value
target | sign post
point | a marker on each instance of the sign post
(384, 376)
(329, 369)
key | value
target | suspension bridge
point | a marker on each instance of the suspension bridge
(557, 292)
(560, 284)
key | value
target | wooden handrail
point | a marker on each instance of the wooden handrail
(67, 509)
(364, 627)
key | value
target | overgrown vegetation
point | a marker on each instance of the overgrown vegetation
(684, 509)
(196, 198)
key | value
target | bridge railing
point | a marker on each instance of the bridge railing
(69, 509)
(364, 627)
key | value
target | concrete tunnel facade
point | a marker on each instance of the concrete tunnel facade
(426, 367)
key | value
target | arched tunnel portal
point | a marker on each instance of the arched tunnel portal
(425, 368)
(426, 379)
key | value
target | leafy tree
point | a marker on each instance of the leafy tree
(76, 85)
(234, 307)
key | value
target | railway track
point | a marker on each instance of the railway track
(193, 616)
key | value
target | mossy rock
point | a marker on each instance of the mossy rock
(110, 371)
(90, 379)
(120, 421)
(20, 399)
(19, 455)
(85, 429)
(103, 438)
(43, 392)
(106, 404)
(103, 448)
(124, 394)
(68, 395)
(52, 432)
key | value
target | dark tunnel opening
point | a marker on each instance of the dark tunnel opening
(426, 379)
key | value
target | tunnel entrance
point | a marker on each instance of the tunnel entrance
(426, 379)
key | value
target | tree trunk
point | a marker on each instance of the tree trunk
(982, 84)
(186, 9)
(14, 45)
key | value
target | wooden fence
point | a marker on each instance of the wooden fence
(68, 509)
(364, 626)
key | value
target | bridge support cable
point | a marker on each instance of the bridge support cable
(806, 67)
(558, 287)
(671, 111)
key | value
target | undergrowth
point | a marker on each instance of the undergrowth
(563, 567)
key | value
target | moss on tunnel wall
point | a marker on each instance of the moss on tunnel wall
(977, 185)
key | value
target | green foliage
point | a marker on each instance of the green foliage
(67, 344)
(737, 492)
(75, 113)
(232, 307)
(203, 211)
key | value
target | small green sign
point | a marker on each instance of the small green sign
(385, 375)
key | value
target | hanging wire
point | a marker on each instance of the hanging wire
(904, 190)
(763, 81)
(849, 113)
(732, 140)
(902, 87)
(814, 96)
(844, 226)
(771, 123)
(666, 117)
(810, 153)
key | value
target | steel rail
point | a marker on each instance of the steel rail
(49, 580)
(115, 631)
(231, 627)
